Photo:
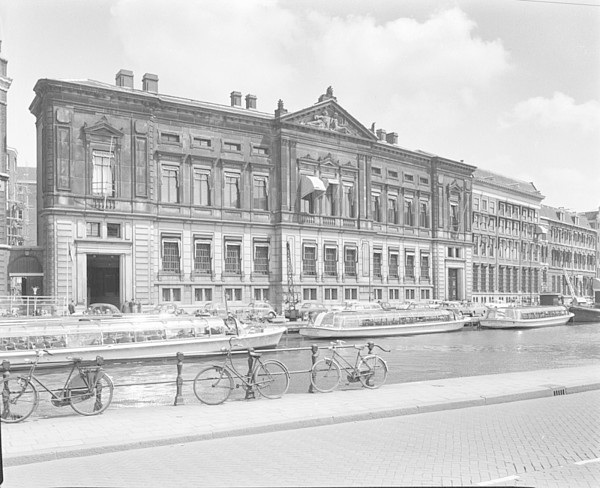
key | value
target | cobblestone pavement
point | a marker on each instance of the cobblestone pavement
(546, 442)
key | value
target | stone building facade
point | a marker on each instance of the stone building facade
(571, 250)
(5, 83)
(508, 242)
(156, 198)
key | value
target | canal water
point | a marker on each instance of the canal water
(468, 352)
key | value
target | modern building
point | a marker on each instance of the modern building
(508, 242)
(157, 198)
(572, 252)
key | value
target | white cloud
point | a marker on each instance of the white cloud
(560, 112)
(397, 70)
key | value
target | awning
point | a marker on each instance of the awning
(540, 229)
(596, 284)
(311, 184)
(331, 181)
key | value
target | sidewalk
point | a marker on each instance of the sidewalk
(36, 439)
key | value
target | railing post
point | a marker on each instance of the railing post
(370, 346)
(5, 387)
(179, 395)
(315, 354)
(249, 389)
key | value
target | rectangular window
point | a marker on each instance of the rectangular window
(409, 265)
(484, 205)
(492, 207)
(454, 220)
(232, 146)
(408, 177)
(202, 257)
(424, 181)
(261, 294)
(424, 214)
(377, 293)
(331, 294)
(501, 279)
(113, 231)
(103, 183)
(63, 158)
(376, 171)
(350, 293)
(394, 294)
(201, 187)
(171, 294)
(233, 258)
(475, 278)
(491, 279)
(331, 200)
(330, 262)
(260, 150)
(425, 294)
(483, 279)
(348, 201)
(169, 185)
(409, 293)
(309, 294)
(261, 259)
(233, 294)
(203, 294)
(377, 264)
(393, 210)
(141, 167)
(376, 206)
(171, 255)
(309, 260)
(408, 212)
(231, 197)
(476, 204)
(92, 229)
(202, 142)
(350, 260)
(393, 265)
(425, 266)
(169, 138)
(260, 193)
(392, 174)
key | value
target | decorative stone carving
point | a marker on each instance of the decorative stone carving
(328, 119)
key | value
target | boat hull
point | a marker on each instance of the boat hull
(524, 323)
(317, 332)
(190, 347)
(585, 314)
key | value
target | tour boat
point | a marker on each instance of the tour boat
(582, 313)
(525, 317)
(378, 323)
(126, 338)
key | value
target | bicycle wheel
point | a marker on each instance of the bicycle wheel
(213, 385)
(325, 375)
(272, 379)
(90, 399)
(19, 400)
(372, 371)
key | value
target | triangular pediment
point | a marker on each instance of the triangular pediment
(329, 116)
(102, 129)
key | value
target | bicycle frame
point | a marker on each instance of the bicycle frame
(246, 379)
(353, 370)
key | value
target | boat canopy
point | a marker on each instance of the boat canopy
(51, 334)
(368, 318)
(526, 313)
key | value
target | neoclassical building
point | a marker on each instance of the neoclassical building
(5, 83)
(157, 198)
(509, 262)
(572, 252)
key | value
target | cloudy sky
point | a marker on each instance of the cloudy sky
(512, 86)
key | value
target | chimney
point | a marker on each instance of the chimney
(124, 78)
(392, 138)
(251, 101)
(280, 109)
(150, 83)
(236, 99)
(381, 134)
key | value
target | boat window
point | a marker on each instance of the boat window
(84, 339)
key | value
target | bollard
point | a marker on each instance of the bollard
(179, 395)
(250, 389)
(370, 345)
(5, 387)
(315, 354)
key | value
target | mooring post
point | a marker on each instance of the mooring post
(313, 359)
(250, 389)
(179, 395)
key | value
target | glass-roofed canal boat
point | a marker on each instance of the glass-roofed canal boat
(525, 317)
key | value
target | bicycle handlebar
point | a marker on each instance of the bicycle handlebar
(377, 345)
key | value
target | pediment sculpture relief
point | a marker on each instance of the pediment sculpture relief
(328, 119)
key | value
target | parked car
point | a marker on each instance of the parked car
(167, 309)
(362, 306)
(260, 310)
(104, 309)
(211, 309)
(309, 310)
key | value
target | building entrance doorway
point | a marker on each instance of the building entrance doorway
(453, 284)
(104, 279)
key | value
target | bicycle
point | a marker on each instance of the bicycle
(371, 370)
(214, 384)
(88, 392)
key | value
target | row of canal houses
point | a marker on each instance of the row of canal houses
(150, 197)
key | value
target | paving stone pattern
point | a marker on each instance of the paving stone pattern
(524, 443)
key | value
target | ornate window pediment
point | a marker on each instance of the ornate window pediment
(102, 130)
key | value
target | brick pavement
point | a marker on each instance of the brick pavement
(37, 440)
(546, 442)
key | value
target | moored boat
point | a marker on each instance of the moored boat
(525, 317)
(583, 313)
(128, 338)
(378, 323)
